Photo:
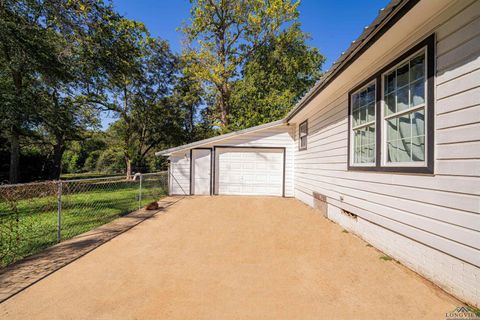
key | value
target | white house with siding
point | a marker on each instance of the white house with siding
(387, 144)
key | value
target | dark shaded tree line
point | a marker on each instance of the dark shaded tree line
(63, 63)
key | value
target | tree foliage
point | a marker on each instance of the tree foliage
(64, 64)
(274, 79)
(222, 35)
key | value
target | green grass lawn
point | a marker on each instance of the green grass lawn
(32, 226)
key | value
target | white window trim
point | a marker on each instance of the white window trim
(351, 129)
(383, 142)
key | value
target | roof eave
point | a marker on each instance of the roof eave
(370, 35)
(188, 146)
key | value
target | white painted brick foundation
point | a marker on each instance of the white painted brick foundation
(454, 276)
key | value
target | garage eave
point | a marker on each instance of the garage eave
(200, 143)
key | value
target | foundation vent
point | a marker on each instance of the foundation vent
(349, 214)
(320, 203)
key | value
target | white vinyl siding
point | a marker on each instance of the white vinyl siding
(201, 172)
(441, 211)
(179, 172)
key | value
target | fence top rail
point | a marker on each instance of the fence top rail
(154, 173)
(28, 184)
(122, 177)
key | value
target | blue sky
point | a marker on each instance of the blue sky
(332, 24)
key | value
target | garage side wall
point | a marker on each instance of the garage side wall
(430, 223)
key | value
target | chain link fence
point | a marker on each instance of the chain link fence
(34, 216)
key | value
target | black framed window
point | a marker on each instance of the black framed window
(302, 135)
(391, 115)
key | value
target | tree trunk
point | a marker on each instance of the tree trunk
(14, 134)
(58, 151)
(14, 156)
(224, 103)
(128, 163)
(191, 126)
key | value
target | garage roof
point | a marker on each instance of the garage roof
(200, 143)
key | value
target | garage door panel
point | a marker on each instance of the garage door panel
(249, 171)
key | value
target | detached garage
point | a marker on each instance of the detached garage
(254, 161)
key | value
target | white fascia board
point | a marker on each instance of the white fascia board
(200, 143)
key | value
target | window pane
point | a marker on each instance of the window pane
(402, 76)
(364, 145)
(355, 102)
(370, 154)
(371, 94)
(405, 129)
(363, 114)
(417, 93)
(390, 104)
(303, 142)
(402, 99)
(406, 137)
(371, 112)
(390, 82)
(371, 134)
(392, 151)
(363, 140)
(363, 98)
(418, 148)
(417, 68)
(418, 123)
(392, 129)
(403, 150)
(303, 129)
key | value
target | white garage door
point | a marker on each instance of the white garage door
(242, 171)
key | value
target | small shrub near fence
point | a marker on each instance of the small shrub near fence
(34, 216)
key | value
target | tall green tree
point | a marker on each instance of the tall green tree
(27, 48)
(132, 76)
(222, 35)
(39, 59)
(187, 96)
(274, 78)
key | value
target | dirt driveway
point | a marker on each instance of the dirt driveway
(232, 258)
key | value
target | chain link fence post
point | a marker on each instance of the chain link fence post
(59, 211)
(140, 192)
